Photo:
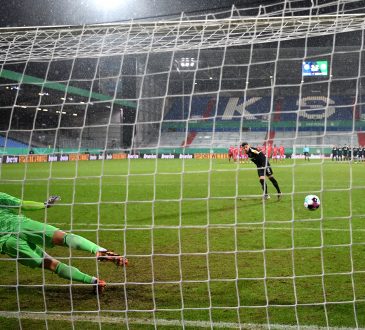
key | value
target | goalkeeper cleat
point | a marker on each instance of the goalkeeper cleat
(51, 200)
(99, 286)
(266, 197)
(112, 257)
(280, 196)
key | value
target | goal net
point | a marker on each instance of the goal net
(131, 124)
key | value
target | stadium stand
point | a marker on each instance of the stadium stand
(10, 143)
(313, 120)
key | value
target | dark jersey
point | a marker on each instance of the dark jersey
(257, 157)
(345, 150)
(334, 151)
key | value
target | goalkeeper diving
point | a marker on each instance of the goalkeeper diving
(23, 238)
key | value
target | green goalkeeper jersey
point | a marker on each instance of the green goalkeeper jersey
(10, 214)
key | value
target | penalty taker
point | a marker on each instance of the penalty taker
(23, 238)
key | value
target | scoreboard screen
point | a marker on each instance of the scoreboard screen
(315, 68)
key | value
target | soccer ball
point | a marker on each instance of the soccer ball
(312, 202)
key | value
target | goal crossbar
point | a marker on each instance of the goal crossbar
(141, 37)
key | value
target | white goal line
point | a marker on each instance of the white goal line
(238, 226)
(161, 322)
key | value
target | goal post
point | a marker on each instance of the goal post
(130, 123)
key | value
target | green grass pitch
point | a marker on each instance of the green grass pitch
(202, 245)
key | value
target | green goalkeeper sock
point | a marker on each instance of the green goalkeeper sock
(69, 272)
(80, 243)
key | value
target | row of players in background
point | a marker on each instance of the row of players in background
(348, 153)
(272, 152)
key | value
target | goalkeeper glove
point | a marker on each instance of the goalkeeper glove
(51, 200)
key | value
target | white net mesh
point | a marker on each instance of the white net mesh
(231, 28)
(131, 124)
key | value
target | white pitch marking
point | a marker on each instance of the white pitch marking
(162, 322)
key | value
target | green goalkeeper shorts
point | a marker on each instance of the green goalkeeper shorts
(26, 243)
(26, 253)
(36, 232)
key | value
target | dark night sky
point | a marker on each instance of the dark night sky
(78, 12)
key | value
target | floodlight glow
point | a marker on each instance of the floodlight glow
(186, 62)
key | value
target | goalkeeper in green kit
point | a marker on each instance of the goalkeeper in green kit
(23, 238)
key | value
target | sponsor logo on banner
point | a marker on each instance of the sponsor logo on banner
(11, 159)
(183, 156)
(167, 156)
(101, 156)
(316, 156)
(119, 156)
(33, 159)
(52, 158)
(210, 156)
(147, 156)
(79, 157)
